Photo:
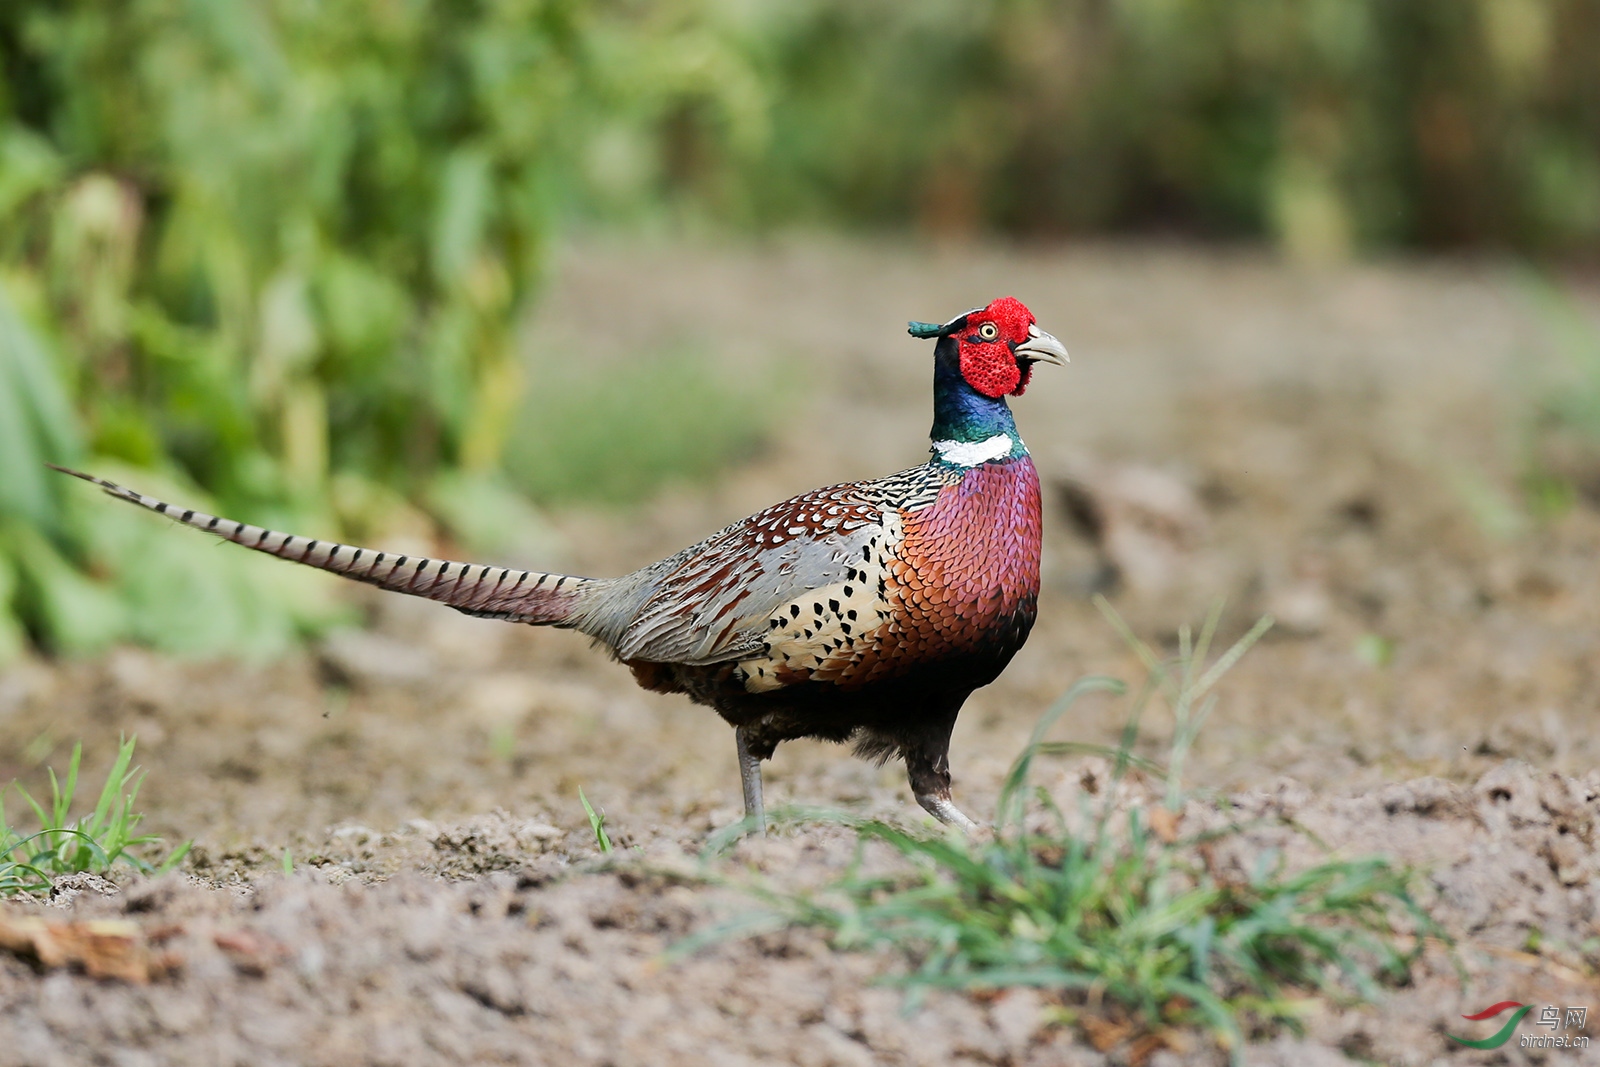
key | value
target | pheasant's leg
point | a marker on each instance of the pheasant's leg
(750, 776)
(927, 755)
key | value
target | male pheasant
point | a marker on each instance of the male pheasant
(867, 610)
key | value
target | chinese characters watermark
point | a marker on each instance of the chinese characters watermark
(1562, 1021)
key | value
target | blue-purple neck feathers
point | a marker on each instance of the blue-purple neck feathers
(963, 415)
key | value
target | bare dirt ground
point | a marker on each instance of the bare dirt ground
(1339, 448)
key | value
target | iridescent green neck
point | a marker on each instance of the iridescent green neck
(967, 425)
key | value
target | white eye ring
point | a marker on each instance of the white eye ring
(988, 331)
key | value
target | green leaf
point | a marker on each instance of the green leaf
(13, 640)
(37, 425)
(74, 613)
(29, 164)
(461, 215)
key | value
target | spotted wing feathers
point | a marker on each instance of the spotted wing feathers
(712, 602)
(824, 632)
(737, 596)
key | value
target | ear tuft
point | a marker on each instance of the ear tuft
(928, 331)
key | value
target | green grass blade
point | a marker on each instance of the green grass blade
(1226, 661)
(1084, 748)
(44, 820)
(597, 823)
(1017, 777)
(61, 799)
(116, 780)
(177, 857)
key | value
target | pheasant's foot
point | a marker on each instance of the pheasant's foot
(750, 777)
(943, 809)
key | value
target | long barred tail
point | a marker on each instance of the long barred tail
(491, 592)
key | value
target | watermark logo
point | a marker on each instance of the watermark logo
(1550, 1016)
(1505, 1031)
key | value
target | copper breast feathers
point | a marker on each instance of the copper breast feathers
(955, 577)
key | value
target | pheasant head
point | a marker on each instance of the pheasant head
(982, 357)
(997, 346)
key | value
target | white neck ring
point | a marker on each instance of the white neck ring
(972, 453)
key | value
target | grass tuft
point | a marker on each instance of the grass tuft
(1132, 926)
(597, 823)
(31, 862)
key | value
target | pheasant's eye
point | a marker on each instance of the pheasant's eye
(988, 331)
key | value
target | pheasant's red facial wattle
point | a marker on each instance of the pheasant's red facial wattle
(988, 344)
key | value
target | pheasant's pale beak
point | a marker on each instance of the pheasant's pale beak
(1040, 347)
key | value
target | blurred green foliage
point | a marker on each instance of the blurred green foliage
(1329, 125)
(618, 435)
(275, 249)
